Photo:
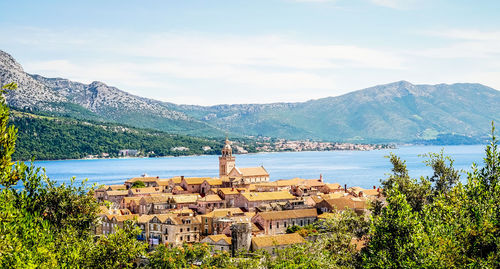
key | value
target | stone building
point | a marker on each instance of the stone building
(241, 236)
(250, 200)
(277, 222)
(270, 243)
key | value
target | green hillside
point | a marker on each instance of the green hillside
(396, 112)
(52, 138)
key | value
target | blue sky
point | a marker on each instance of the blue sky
(212, 52)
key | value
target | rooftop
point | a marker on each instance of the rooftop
(277, 240)
(268, 196)
(288, 214)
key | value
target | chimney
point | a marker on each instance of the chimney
(374, 187)
(320, 177)
(157, 177)
(182, 177)
(345, 187)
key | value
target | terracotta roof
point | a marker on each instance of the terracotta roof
(121, 218)
(144, 218)
(127, 200)
(277, 240)
(183, 211)
(116, 187)
(214, 182)
(117, 193)
(288, 214)
(334, 195)
(184, 199)
(163, 182)
(372, 192)
(145, 190)
(219, 238)
(175, 180)
(333, 186)
(227, 191)
(210, 198)
(349, 202)
(155, 199)
(196, 180)
(178, 188)
(268, 196)
(222, 212)
(252, 171)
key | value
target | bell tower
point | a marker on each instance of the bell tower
(226, 161)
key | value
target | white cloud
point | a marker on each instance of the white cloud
(209, 69)
(396, 4)
(167, 65)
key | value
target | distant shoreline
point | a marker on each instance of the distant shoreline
(191, 155)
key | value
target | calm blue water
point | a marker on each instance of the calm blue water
(354, 168)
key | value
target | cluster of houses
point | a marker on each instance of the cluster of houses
(241, 209)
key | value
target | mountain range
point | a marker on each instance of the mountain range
(398, 112)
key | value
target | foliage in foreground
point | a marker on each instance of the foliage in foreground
(443, 225)
(45, 225)
(432, 222)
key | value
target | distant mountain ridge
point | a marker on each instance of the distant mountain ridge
(395, 112)
(95, 101)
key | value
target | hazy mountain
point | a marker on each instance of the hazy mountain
(395, 112)
(95, 101)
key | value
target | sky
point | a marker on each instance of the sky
(219, 52)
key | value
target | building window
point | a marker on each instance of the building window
(270, 225)
(181, 238)
(188, 229)
(195, 229)
(285, 224)
(181, 230)
(206, 231)
(189, 238)
(277, 225)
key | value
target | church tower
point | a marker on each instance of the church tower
(226, 161)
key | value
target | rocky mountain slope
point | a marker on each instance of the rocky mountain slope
(395, 112)
(95, 101)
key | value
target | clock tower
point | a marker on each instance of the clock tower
(226, 161)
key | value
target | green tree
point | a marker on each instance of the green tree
(46, 225)
(138, 184)
(458, 227)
